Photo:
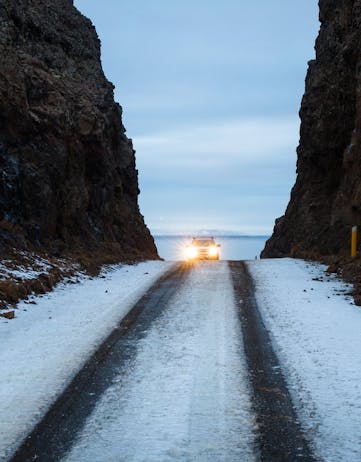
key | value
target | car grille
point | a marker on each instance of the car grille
(203, 252)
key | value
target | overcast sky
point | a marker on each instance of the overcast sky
(210, 91)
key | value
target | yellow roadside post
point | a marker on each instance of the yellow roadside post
(354, 242)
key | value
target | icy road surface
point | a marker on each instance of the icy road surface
(185, 395)
(316, 331)
(48, 342)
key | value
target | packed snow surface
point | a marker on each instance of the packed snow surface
(316, 330)
(48, 342)
(185, 396)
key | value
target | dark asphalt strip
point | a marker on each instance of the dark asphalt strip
(279, 437)
(53, 437)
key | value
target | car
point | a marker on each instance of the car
(202, 248)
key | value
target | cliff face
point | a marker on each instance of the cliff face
(326, 199)
(68, 178)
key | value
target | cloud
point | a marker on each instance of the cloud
(251, 137)
(236, 174)
(234, 147)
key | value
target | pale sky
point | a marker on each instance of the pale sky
(210, 91)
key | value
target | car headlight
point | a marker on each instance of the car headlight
(213, 251)
(191, 252)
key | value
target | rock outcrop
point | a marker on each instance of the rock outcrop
(68, 179)
(326, 199)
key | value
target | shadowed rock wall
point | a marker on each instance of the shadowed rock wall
(68, 178)
(326, 199)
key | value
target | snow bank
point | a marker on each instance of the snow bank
(47, 343)
(316, 330)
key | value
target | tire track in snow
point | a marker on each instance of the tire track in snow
(56, 432)
(280, 437)
(185, 395)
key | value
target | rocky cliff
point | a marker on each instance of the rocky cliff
(68, 179)
(326, 199)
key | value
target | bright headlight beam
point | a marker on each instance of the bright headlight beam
(191, 252)
(213, 251)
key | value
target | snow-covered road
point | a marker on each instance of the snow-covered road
(48, 342)
(203, 372)
(185, 395)
(316, 331)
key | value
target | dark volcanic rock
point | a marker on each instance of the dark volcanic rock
(326, 199)
(68, 178)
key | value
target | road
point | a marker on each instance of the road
(189, 375)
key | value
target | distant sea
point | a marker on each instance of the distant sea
(232, 247)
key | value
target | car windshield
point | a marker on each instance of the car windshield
(203, 242)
